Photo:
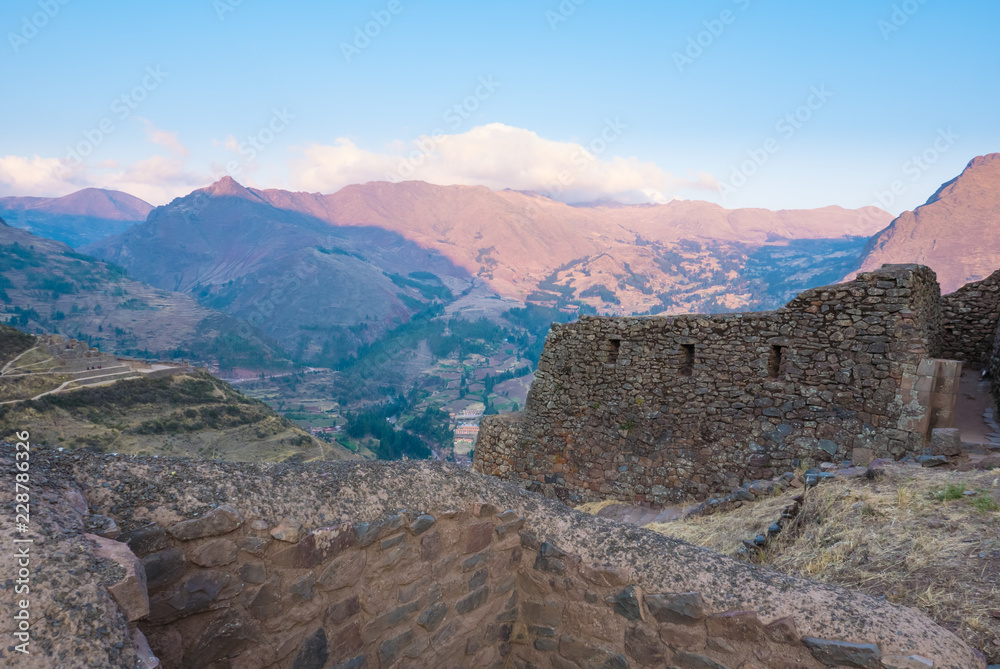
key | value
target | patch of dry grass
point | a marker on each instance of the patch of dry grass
(26, 387)
(594, 507)
(912, 537)
(725, 532)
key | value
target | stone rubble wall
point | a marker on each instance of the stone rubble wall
(969, 319)
(657, 410)
(378, 565)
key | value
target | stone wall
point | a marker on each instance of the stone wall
(969, 319)
(409, 565)
(657, 410)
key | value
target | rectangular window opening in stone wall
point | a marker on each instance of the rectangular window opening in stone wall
(776, 363)
(687, 368)
(614, 348)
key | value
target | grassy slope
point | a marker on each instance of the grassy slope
(912, 537)
(185, 414)
(189, 415)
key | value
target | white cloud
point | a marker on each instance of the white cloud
(165, 138)
(499, 156)
(156, 179)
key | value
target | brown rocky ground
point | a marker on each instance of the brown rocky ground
(589, 579)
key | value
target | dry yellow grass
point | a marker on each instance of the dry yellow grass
(594, 507)
(725, 532)
(912, 537)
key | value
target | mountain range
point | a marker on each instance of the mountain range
(320, 275)
(953, 233)
(80, 218)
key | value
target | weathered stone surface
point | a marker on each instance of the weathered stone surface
(253, 572)
(288, 530)
(551, 559)
(194, 594)
(229, 633)
(627, 603)
(682, 608)
(304, 587)
(946, 441)
(861, 655)
(221, 520)
(214, 553)
(479, 537)
(253, 545)
(146, 539)
(314, 652)
(422, 524)
(697, 661)
(683, 637)
(359, 662)
(130, 590)
(644, 646)
(390, 650)
(342, 611)
(344, 571)
(146, 658)
(433, 616)
(316, 547)
(346, 642)
(473, 601)
(736, 626)
(782, 631)
(907, 662)
(164, 568)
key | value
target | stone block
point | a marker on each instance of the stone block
(214, 553)
(344, 571)
(129, 591)
(740, 626)
(946, 441)
(164, 568)
(389, 651)
(146, 539)
(316, 547)
(628, 603)
(683, 637)
(473, 601)
(478, 537)
(314, 652)
(221, 520)
(860, 655)
(689, 660)
(862, 457)
(288, 530)
(681, 608)
(644, 646)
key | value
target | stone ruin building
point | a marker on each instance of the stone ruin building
(659, 410)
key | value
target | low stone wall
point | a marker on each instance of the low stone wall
(404, 565)
(658, 410)
(969, 319)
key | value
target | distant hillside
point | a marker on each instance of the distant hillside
(319, 290)
(324, 274)
(46, 287)
(954, 233)
(190, 414)
(77, 219)
(682, 256)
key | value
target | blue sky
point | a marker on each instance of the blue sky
(628, 100)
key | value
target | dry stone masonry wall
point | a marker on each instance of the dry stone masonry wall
(657, 410)
(171, 563)
(969, 319)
